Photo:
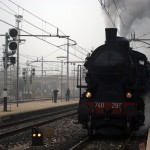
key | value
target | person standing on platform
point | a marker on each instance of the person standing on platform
(52, 95)
(68, 95)
(55, 92)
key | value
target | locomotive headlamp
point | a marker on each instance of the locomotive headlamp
(128, 94)
(34, 135)
(39, 134)
(88, 95)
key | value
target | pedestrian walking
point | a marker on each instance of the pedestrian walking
(55, 93)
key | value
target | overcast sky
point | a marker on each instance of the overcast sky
(82, 20)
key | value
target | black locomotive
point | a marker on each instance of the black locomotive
(116, 80)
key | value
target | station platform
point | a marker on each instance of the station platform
(24, 107)
(148, 141)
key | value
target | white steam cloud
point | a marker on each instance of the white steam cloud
(135, 18)
(130, 11)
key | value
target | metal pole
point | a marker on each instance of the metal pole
(45, 83)
(31, 80)
(42, 78)
(61, 57)
(74, 82)
(5, 73)
(25, 83)
(68, 62)
(27, 80)
(18, 20)
(17, 97)
(61, 77)
(80, 81)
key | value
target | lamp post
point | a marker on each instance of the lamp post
(61, 58)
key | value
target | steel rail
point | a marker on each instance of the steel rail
(81, 144)
(87, 141)
(3, 126)
(51, 117)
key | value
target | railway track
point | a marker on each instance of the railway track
(16, 127)
(108, 143)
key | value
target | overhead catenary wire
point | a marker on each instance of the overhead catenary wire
(52, 53)
(41, 39)
(143, 42)
(28, 56)
(82, 48)
(6, 11)
(8, 7)
(143, 35)
(39, 60)
(43, 31)
(26, 21)
(50, 64)
(35, 16)
(78, 50)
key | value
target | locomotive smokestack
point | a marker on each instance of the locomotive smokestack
(111, 35)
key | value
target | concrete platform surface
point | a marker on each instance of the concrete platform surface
(148, 141)
(33, 105)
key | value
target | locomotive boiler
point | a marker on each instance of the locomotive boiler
(116, 81)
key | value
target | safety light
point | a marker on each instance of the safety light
(128, 94)
(88, 95)
(34, 135)
(37, 137)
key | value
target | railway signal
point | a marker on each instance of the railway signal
(24, 73)
(13, 44)
(33, 72)
(13, 33)
(37, 137)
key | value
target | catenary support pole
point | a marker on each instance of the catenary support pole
(5, 72)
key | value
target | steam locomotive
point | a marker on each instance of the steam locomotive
(116, 81)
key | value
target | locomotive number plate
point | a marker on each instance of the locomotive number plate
(108, 105)
(99, 105)
(116, 105)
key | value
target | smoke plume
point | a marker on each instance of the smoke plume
(130, 11)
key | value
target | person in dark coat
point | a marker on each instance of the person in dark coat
(55, 92)
(68, 95)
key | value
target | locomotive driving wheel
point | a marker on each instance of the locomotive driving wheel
(89, 126)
